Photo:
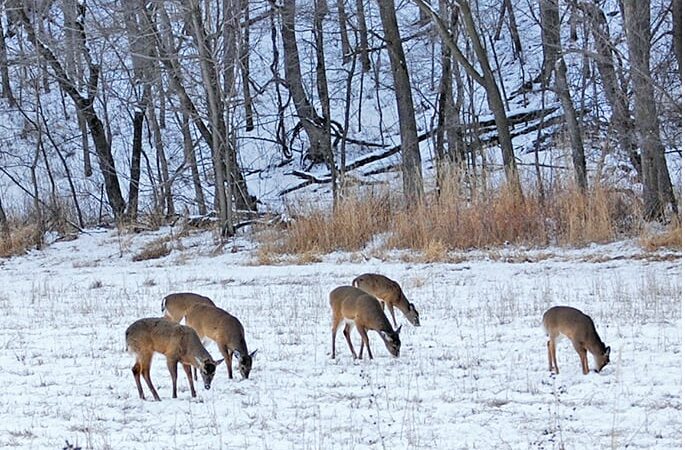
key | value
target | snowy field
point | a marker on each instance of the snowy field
(474, 375)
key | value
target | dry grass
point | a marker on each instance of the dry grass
(670, 238)
(457, 220)
(21, 239)
(350, 227)
(153, 250)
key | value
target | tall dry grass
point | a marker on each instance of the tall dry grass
(458, 219)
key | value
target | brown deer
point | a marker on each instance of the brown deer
(178, 343)
(388, 291)
(175, 306)
(226, 331)
(353, 305)
(580, 329)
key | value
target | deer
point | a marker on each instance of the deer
(388, 291)
(175, 306)
(228, 333)
(179, 343)
(580, 329)
(354, 306)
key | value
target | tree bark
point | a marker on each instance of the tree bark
(214, 101)
(86, 105)
(191, 159)
(293, 76)
(553, 56)
(657, 189)
(677, 16)
(551, 49)
(621, 122)
(363, 40)
(345, 46)
(4, 70)
(487, 80)
(322, 88)
(577, 151)
(412, 177)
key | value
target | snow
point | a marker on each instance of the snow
(474, 375)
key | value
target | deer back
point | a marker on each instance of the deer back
(218, 325)
(159, 335)
(389, 291)
(574, 324)
(354, 304)
(175, 306)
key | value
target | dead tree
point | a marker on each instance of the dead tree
(656, 182)
(412, 177)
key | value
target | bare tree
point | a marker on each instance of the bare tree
(412, 177)
(656, 182)
(621, 122)
(87, 106)
(486, 79)
(310, 120)
(554, 59)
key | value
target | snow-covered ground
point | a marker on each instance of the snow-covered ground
(474, 375)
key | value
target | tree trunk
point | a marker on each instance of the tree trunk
(322, 89)
(412, 177)
(677, 16)
(136, 152)
(551, 49)
(245, 67)
(346, 48)
(4, 70)
(363, 40)
(4, 225)
(311, 122)
(621, 122)
(86, 105)
(577, 151)
(190, 157)
(656, 182)
(554, 60)
(215, 104)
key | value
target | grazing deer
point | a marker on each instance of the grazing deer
(175, 306)
(354, 306)
(226, 331)
(388, 291)
(580, 329)
(178, 343)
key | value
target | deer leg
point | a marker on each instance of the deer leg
(582, 352)
(186, 369)
(145, 370)
(195, 372)
(392, 313)
(346, 333)
(334, 331)
(365, 341)
(173, 371)
(549, 355)
(136, 377)
(553, 352)
(228, 358)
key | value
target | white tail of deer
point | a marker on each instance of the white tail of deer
(175, 306)
(388, 292)
(580, 329)
(226, 331)
(178, 343)
(354, 306)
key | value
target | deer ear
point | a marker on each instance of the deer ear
(252, 354)
(217, 362)
(607, 351)
(237, 354)
(398, 329)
